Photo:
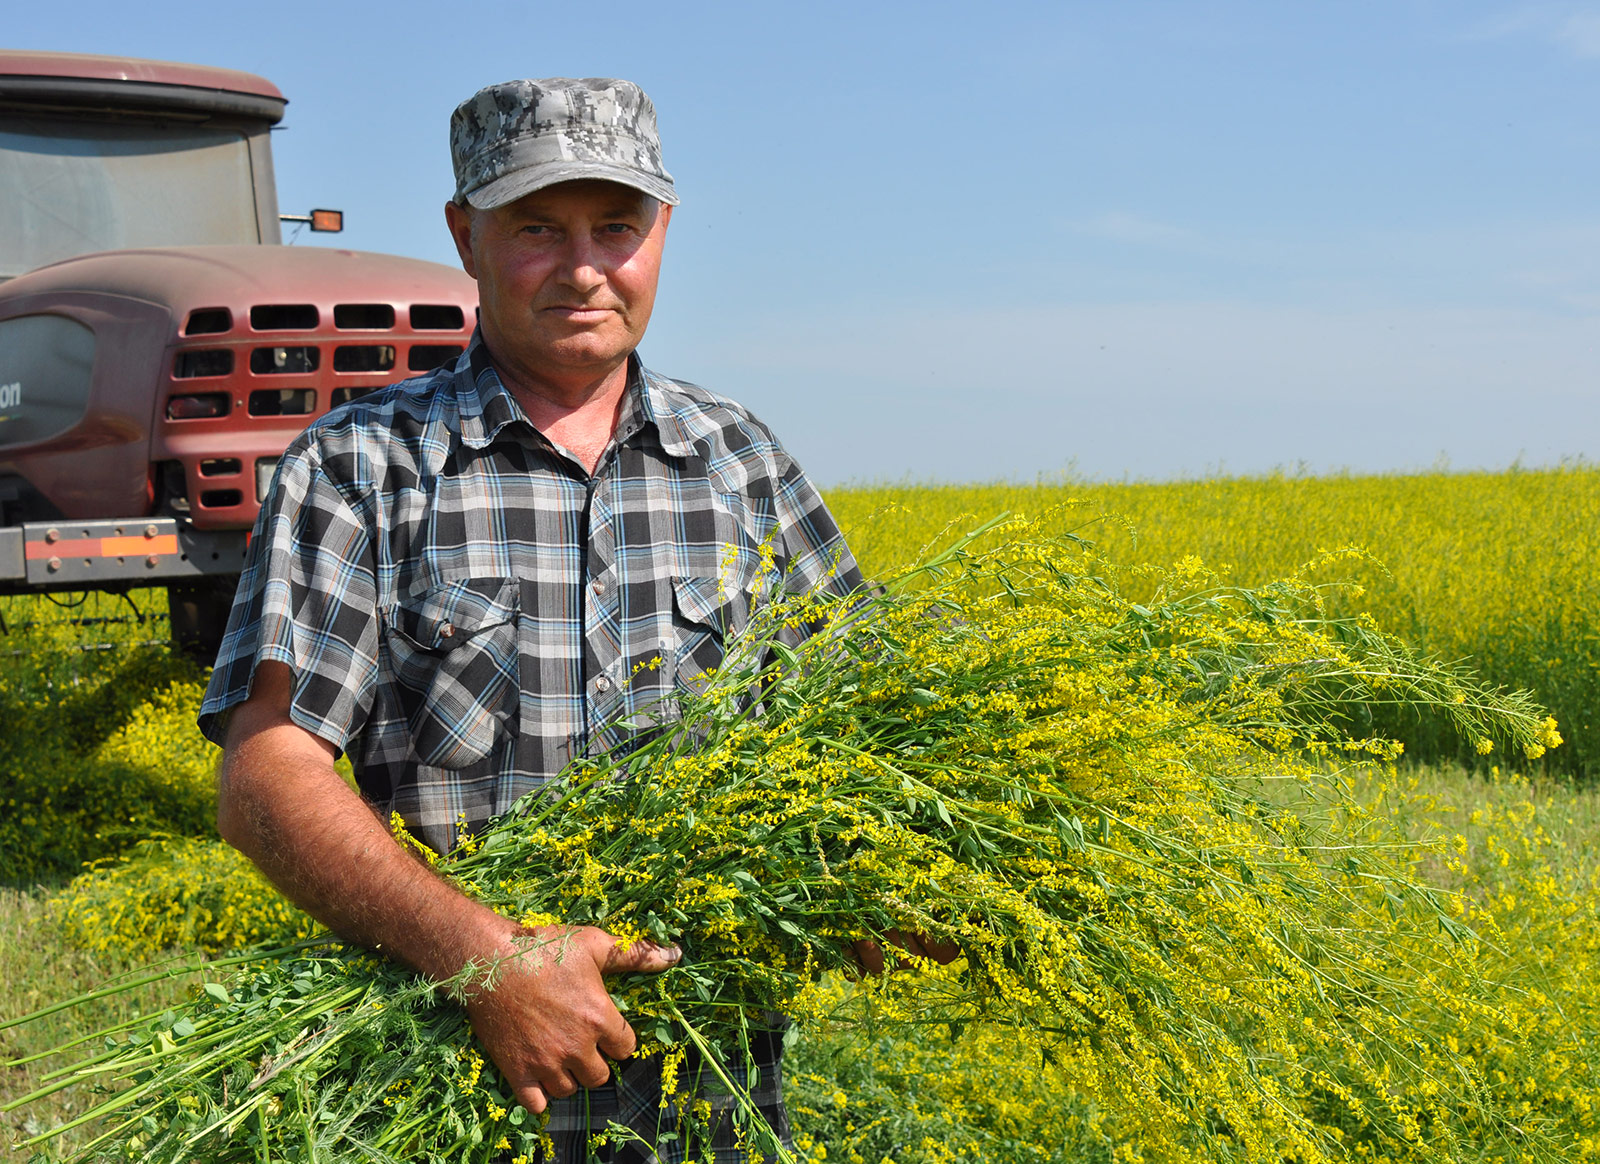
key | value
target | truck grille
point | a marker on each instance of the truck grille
(236, 397)
(203, 362)
(209, 321)
(363, 357)
(436, 317)
(284, 317)
(364, 317)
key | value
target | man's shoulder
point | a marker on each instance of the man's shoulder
(711, 422)
(399, 423)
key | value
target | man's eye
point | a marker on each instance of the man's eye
(617, 228)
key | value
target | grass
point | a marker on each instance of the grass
(39, 968)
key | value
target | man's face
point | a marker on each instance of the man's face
(566, 275)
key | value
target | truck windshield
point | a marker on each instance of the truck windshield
(70, 187)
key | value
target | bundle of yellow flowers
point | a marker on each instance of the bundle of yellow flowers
(997, 750)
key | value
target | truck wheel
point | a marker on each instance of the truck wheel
(199, 611)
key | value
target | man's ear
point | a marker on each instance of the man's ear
(459, 219)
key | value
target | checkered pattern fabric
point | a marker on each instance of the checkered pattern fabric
(634, 1100)
(465, 608)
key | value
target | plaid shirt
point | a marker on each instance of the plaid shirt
(465, 608)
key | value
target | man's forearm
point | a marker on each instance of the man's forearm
(282, 804)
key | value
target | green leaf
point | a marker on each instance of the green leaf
(217, 991)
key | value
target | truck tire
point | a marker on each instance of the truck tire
(199, 612)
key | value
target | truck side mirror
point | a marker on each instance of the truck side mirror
(329, 221)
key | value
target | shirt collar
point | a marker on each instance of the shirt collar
(484, 405)
(487, 408)
(654, 401)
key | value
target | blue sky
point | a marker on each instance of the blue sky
(943, 242)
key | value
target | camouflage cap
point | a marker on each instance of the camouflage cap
(520, 136)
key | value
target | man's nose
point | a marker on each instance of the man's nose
(581, 269)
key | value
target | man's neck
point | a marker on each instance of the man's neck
(578, 411)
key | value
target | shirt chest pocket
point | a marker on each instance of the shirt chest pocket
(707, 613)
(453, 650)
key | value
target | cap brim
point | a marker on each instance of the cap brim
(509, 187)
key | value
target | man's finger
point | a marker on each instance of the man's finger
(868, 955)
(639, 957)
(619, 1043)
(910, 943)
(591, 1071)
(532, 1097)
(943, 953)
(558, 1085)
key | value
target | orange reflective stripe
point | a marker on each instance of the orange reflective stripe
(130, 547)
(70, 548)
(102, 547)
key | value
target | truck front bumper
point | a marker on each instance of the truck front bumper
(114, 555)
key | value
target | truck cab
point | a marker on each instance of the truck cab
(159, 345)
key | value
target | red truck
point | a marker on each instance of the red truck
(159, 346)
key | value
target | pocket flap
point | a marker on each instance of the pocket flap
(704, 601)
(448, 615)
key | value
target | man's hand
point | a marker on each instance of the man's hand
(869, 954)
(547, 1020)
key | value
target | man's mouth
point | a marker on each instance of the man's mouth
(580, 313)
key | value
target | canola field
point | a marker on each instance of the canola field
(99, 762)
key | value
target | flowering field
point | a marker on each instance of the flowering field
(1494, 568)
(1472, 1037)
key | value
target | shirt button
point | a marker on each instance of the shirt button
(602, 684)
(599, 586)
(447, 630)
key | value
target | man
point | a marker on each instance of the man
(455, 580)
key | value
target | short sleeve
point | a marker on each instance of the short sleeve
(817, 556)
(308, 599)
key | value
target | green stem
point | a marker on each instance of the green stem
(165, 975)
(741, 1096)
